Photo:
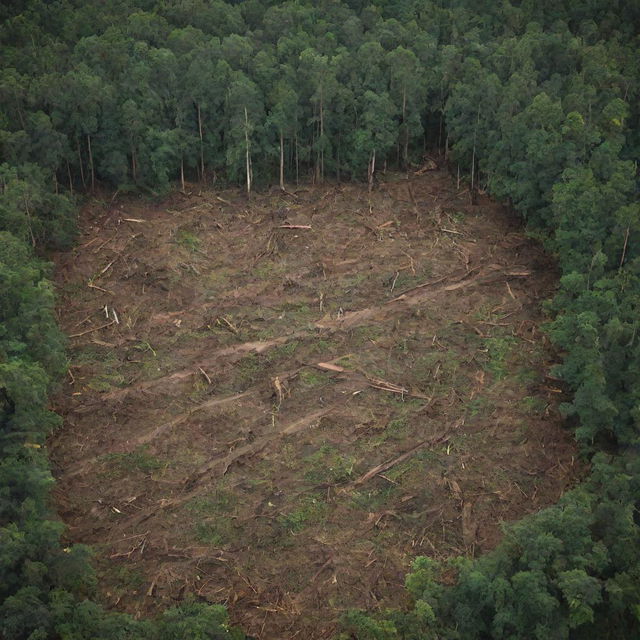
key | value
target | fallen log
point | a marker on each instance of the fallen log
(385, 466)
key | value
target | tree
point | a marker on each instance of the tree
(406, 86)
(376, 132)
(203, 91)
(75, 100)
(244, 111)
(284, 114)
(319, 71)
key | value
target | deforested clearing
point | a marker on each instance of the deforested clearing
(278, 403)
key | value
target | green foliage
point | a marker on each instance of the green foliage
(498, 351)
(137, 97)
(139, 459)
(30, 211)
(327, 464)
(195, 620)
(538, 102)
(309, 510)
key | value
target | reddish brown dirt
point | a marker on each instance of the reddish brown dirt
(281, 419)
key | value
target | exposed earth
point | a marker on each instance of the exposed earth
(278, 404)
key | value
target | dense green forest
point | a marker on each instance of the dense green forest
(535, 102)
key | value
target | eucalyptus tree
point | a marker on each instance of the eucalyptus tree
(244, 118)
(319, 73)
(75, 100)
(376, 132)
(202, 97)
(284, 117)
(407, 89)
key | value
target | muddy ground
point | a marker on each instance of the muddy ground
(278, 404)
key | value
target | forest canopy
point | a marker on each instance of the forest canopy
(535, 102)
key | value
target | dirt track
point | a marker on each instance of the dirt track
(281, 418)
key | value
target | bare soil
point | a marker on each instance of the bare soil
(281, 418)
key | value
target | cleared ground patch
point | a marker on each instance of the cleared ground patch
(278, 404)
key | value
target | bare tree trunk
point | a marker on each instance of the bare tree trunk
(405, 152)
(316, 126)
(297, 159)
(182, 173)
(93, 174)
(624, 248)
(372, 169)
(70, 180)
(26, 210)
(321, 136)
(248, 155)
(281, 161)
(134, 166)
(473, 167)
(473, 161)
(84, 184)
(201, 143)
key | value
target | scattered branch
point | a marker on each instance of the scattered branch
(204, 373)
(95, 286)
(222, 321)
(83, 333)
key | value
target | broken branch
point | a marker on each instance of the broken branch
(330, 367)
(95, 286)
(228, 324)
(204, 373)
(108, 266)
(83, 333)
